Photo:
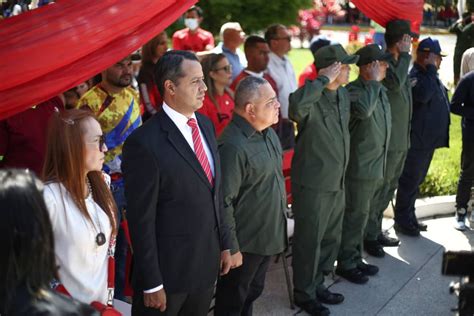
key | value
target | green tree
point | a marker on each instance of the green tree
(253, 15)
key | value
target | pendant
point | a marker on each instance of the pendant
(100, 239)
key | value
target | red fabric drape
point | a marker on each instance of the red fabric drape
(51, 49)
(382, 11)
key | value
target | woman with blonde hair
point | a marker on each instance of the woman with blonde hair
(80, 204)
(218, 102)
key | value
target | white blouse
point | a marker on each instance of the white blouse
(82, 263)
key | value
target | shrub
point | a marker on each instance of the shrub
(443, 175)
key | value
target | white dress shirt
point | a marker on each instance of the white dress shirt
(181, 123)
(282, 72)
(82, 263)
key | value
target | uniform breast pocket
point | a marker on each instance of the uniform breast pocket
(330, 120)
(259, 164)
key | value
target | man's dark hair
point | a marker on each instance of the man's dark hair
(248, 90)
(26, 235)
(392, 39)
(197, 9)
(272, 32)
(168, 67)
(252, 41)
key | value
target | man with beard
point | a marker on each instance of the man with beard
(117, 107)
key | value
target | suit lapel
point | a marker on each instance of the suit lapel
(178, 141)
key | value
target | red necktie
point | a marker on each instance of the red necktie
(199, 150)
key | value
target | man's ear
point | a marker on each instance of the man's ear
(250, 109)
(169, 86)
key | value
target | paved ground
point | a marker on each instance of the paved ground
(409, 281)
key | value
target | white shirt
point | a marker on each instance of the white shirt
(181, 123)
(282, 72)
(82, 263)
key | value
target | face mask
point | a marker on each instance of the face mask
(192, 24)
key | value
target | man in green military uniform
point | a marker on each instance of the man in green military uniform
(464, 30)
(398, 38)
(322, 110)
(253, 187)
(369, 128)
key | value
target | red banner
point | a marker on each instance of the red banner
(46, 51)
(382, 11)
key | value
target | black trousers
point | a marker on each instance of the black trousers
(179, 304)
(237, 290)
(414, 172)
(466, 178)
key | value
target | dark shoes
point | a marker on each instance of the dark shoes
(421, 226)
(313, 308)
(353, 275)
(328, 297)
(386, 241)
(409, 230)
(368, 269)
(374, 248)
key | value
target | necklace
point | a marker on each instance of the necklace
(100, 237)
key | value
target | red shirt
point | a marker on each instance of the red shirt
(23, 136)
(221, 118)
(245, 74)
(196, 42)
(309, 73)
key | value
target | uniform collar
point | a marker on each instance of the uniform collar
(245, 126)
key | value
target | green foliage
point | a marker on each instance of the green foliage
(443, 176)
(253, 15)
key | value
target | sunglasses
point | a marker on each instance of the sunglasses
(227, 68)
(101, 142)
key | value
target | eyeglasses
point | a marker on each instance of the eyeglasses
(286, 38)
(226, 68)
(101, 141)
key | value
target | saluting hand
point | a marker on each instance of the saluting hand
(431, 60)
(405, 44)
(374, 72)
(155, 300)
(331, 72)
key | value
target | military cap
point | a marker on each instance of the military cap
(431, 45)
(399, 27)
(328, 55)
(371, 53)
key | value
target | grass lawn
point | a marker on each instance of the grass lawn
(444, 170)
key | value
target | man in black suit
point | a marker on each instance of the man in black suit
(172, 185)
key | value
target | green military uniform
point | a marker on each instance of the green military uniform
(399, 95)
(253, 187)
(465, 40)
(370, 126)
(317, 174)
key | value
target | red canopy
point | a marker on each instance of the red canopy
(46, 51)
(382, 11)
(51, 49)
